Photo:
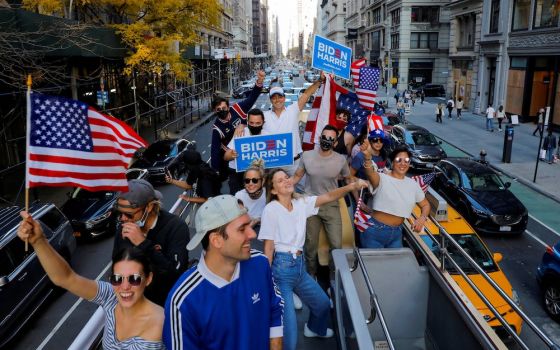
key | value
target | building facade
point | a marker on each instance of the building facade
(464, 50)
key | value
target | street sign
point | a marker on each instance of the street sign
(275, 149)
(331, 57)
(102, 98)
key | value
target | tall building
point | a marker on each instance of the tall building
(464, 50)
(260, 26)
(242, 26)
(332, 19)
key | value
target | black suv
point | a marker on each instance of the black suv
(24, 285)
(162, 156)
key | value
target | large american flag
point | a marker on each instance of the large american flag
(425, 180)
(366, 82)
(71, 144)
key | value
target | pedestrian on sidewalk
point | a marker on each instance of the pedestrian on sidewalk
(500, 115)
(450, 106)
(540, 123)
(490, 113)
(400, 111)
(396, 97)
(439, 113)
(414, 96)
(548, 144)
(459, 107)
(422, 96)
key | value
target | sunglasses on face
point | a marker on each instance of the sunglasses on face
(134, 279)
(253, 180)
(402, 160)
(128, 215)
(323, 137)
(375, 140)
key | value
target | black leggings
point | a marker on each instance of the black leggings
(500, 123)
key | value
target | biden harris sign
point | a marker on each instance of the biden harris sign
(331, 57)
(275, 149)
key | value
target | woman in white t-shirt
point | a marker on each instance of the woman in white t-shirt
(283, 225)
(394, 197)
(253, 195)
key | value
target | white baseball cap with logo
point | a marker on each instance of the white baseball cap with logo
(215, 212)
(277, 90)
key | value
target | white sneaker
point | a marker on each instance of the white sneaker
(310, 334)
(298, 305)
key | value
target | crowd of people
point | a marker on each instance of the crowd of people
(235, 297)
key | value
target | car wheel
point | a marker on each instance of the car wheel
(551, 299)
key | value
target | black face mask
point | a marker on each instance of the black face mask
(222, 114)
(326, 144)
(255, 130)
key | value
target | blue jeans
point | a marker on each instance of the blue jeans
(489, 124)
(291, 276)
(379, 235)
(550, 154)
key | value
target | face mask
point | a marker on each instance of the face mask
(326, 144)
(340, 124)
(222, 114)
(143, 219)
(255, 130)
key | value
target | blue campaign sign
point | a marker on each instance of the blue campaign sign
(275, 149)
(331, 57)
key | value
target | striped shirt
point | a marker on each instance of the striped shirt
(107, 299)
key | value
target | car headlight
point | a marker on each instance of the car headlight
(515, 298)
(480, 211)
(92, 222)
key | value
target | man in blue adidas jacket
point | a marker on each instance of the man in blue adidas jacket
(229, 300)
(228, 119)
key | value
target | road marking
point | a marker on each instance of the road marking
(68, 313)
(536, 238)
(545, 225)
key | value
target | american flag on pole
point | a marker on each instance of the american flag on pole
(366, 82)
(425, 180)
(311, 124)
(72, 144)
(361, 219)
(355, 71)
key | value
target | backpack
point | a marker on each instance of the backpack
(449, 104)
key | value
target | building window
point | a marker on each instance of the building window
(396, 17)
(394, 41)
(521, 12)
(543, 14)
(377, 16)
(518, 63)
(424, 14)
(494, 16)
(423, 40)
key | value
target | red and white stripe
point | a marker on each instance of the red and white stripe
(114, 144)
(361, 219)
(355, 71)
(311, 124)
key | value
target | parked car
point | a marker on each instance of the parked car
(434, 90)
(288, 86)
(479, 194)
(548, 277)
(241, 92)
(425, 149)
(24, 285)
(465, 235)
(162, 156)
(91, 213)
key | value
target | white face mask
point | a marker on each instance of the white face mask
(143, 219)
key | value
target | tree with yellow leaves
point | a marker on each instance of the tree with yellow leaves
(155, 30)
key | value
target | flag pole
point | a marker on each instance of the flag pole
(28, 132)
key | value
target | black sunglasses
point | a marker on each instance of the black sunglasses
(128, 215)
(323, 137)
(375, 140)
(134, 279)
(253, 180)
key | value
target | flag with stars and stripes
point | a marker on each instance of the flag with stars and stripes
(361, 219)
(425, 180)
(355, 71)
(72, 144)
(367, 86)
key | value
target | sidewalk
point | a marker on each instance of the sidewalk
(469, 134)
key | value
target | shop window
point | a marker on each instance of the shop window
(424, 14)
(423, 40)
(543, 14)
(521, 13)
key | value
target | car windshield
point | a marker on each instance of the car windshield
(484, 182)
(159, 151)
(424, 139)
(472, 245)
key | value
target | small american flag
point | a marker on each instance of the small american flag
(368, 84)
(71, 144)
(355, 71)
(425, 180)
(361, 219)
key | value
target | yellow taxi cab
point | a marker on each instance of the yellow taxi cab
(469, 240)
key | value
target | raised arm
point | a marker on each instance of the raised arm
(58, 270)
(370, 168)
(302, 100)
(339, 192)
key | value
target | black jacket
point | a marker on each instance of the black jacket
(166, 247)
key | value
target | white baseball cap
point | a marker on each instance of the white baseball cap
(277, 90)
(215, 212)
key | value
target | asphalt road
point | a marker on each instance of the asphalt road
(58, 323)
